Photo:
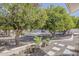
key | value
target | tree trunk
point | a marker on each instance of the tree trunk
(17, 37)
(64, 32)
(52, 34)
(8, 32)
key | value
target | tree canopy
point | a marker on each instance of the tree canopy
(24, 16)
(58, 19)
(30, 16)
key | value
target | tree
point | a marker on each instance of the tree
(55, 21)
(68, 23)
(24, 16)
(58, 20)
(18, 17)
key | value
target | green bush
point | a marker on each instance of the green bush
(37, 40)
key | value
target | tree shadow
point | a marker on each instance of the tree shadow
(61, 37)
(27, 39)
(31, 38)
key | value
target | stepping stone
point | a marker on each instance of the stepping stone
(56, 48)
(51, 53)
(71, 47)
(68, 52)
(55, 43)
(61, 45)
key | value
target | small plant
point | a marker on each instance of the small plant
(37, 40)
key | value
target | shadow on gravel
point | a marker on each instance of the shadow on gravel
(27, 39)
(37, 52)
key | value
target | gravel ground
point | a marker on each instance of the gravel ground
(44, 50)
(62, 47)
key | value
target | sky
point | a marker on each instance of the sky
(76, 13)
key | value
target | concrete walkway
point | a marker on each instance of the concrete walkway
(62, 48)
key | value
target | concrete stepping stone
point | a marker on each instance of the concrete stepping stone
(51, 53)
(56, 48)
(61, 45)
(70, 47)
(67, 52)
